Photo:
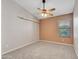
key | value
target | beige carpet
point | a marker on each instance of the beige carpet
(42, 50)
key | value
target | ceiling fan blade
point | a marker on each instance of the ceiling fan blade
(39, 8)
(52, 9)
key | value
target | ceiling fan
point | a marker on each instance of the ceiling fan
(45, 12)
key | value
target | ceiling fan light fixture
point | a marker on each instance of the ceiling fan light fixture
(44, 14)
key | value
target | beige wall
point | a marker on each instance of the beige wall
(49, 29)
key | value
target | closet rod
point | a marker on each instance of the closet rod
(27, 19)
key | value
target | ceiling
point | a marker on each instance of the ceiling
(62, 6)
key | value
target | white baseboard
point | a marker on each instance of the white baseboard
(18, 47)
(57, 43)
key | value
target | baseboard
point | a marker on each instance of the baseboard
(57, 43)
(18, 47)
